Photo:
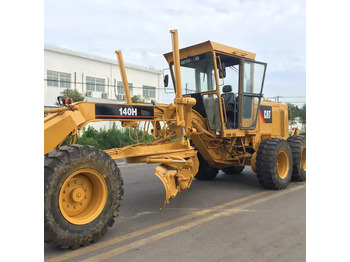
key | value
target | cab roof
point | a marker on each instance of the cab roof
(210, 46)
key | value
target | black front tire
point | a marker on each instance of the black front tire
(270, 174)
(59, 165)
(205, 172)
(233, 170)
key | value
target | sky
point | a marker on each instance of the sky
(272, 29)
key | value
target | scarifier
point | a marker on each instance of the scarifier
(218, 121)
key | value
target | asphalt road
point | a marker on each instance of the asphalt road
(231, 218)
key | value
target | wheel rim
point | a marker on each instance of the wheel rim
(83, 196)
(282, 164)
(303, 159)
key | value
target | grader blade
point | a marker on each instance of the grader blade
(167, 176)
(177, 175)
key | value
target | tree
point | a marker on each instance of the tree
(74, 94)
(303, 115)
(137, 99)
(293, 112)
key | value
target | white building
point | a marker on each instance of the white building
(97, 78)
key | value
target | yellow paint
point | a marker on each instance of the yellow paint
(210, 46)
(295, 131)
(83, 196)
(124, 77)
(253, 161)
(282, 164)
(167, 176)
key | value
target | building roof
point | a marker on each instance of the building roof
(97, 58)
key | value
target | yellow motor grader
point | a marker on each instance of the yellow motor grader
(218, 121)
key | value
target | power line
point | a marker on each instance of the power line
(292, 102)
(278, 97)
(291, 96)
(105, 85)
(158, 88)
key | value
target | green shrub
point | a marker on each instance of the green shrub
(110, 138)
(88, 141)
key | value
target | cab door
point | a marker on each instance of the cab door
(252, 76)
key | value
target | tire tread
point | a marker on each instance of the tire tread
(53, 162)
(266, 164)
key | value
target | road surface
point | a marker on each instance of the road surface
(231, 218)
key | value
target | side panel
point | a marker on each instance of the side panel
(273, 120)
(115, 112)
(64, 121)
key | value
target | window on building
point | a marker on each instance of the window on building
(58, 79)
(120, 88)
(149, 91)
(131, 89)
(95, 84)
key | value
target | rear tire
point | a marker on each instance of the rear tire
(82, 195)
(274, 163)
(233, 170)
(298, 146)
(205, 172)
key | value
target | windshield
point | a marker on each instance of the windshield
(197, 73)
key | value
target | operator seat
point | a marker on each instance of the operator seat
(229, 100)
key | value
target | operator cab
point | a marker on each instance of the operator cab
(230, 103)
(226, 82)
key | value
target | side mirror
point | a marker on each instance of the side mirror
(167, 83)
(222, 70)
(166, 80)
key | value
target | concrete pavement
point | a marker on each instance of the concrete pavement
(231, 218)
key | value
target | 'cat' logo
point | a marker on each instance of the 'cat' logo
(265, 113)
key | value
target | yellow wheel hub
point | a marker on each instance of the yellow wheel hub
(83, 196)
(78, 194)
(282, 164)
(303, 159)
